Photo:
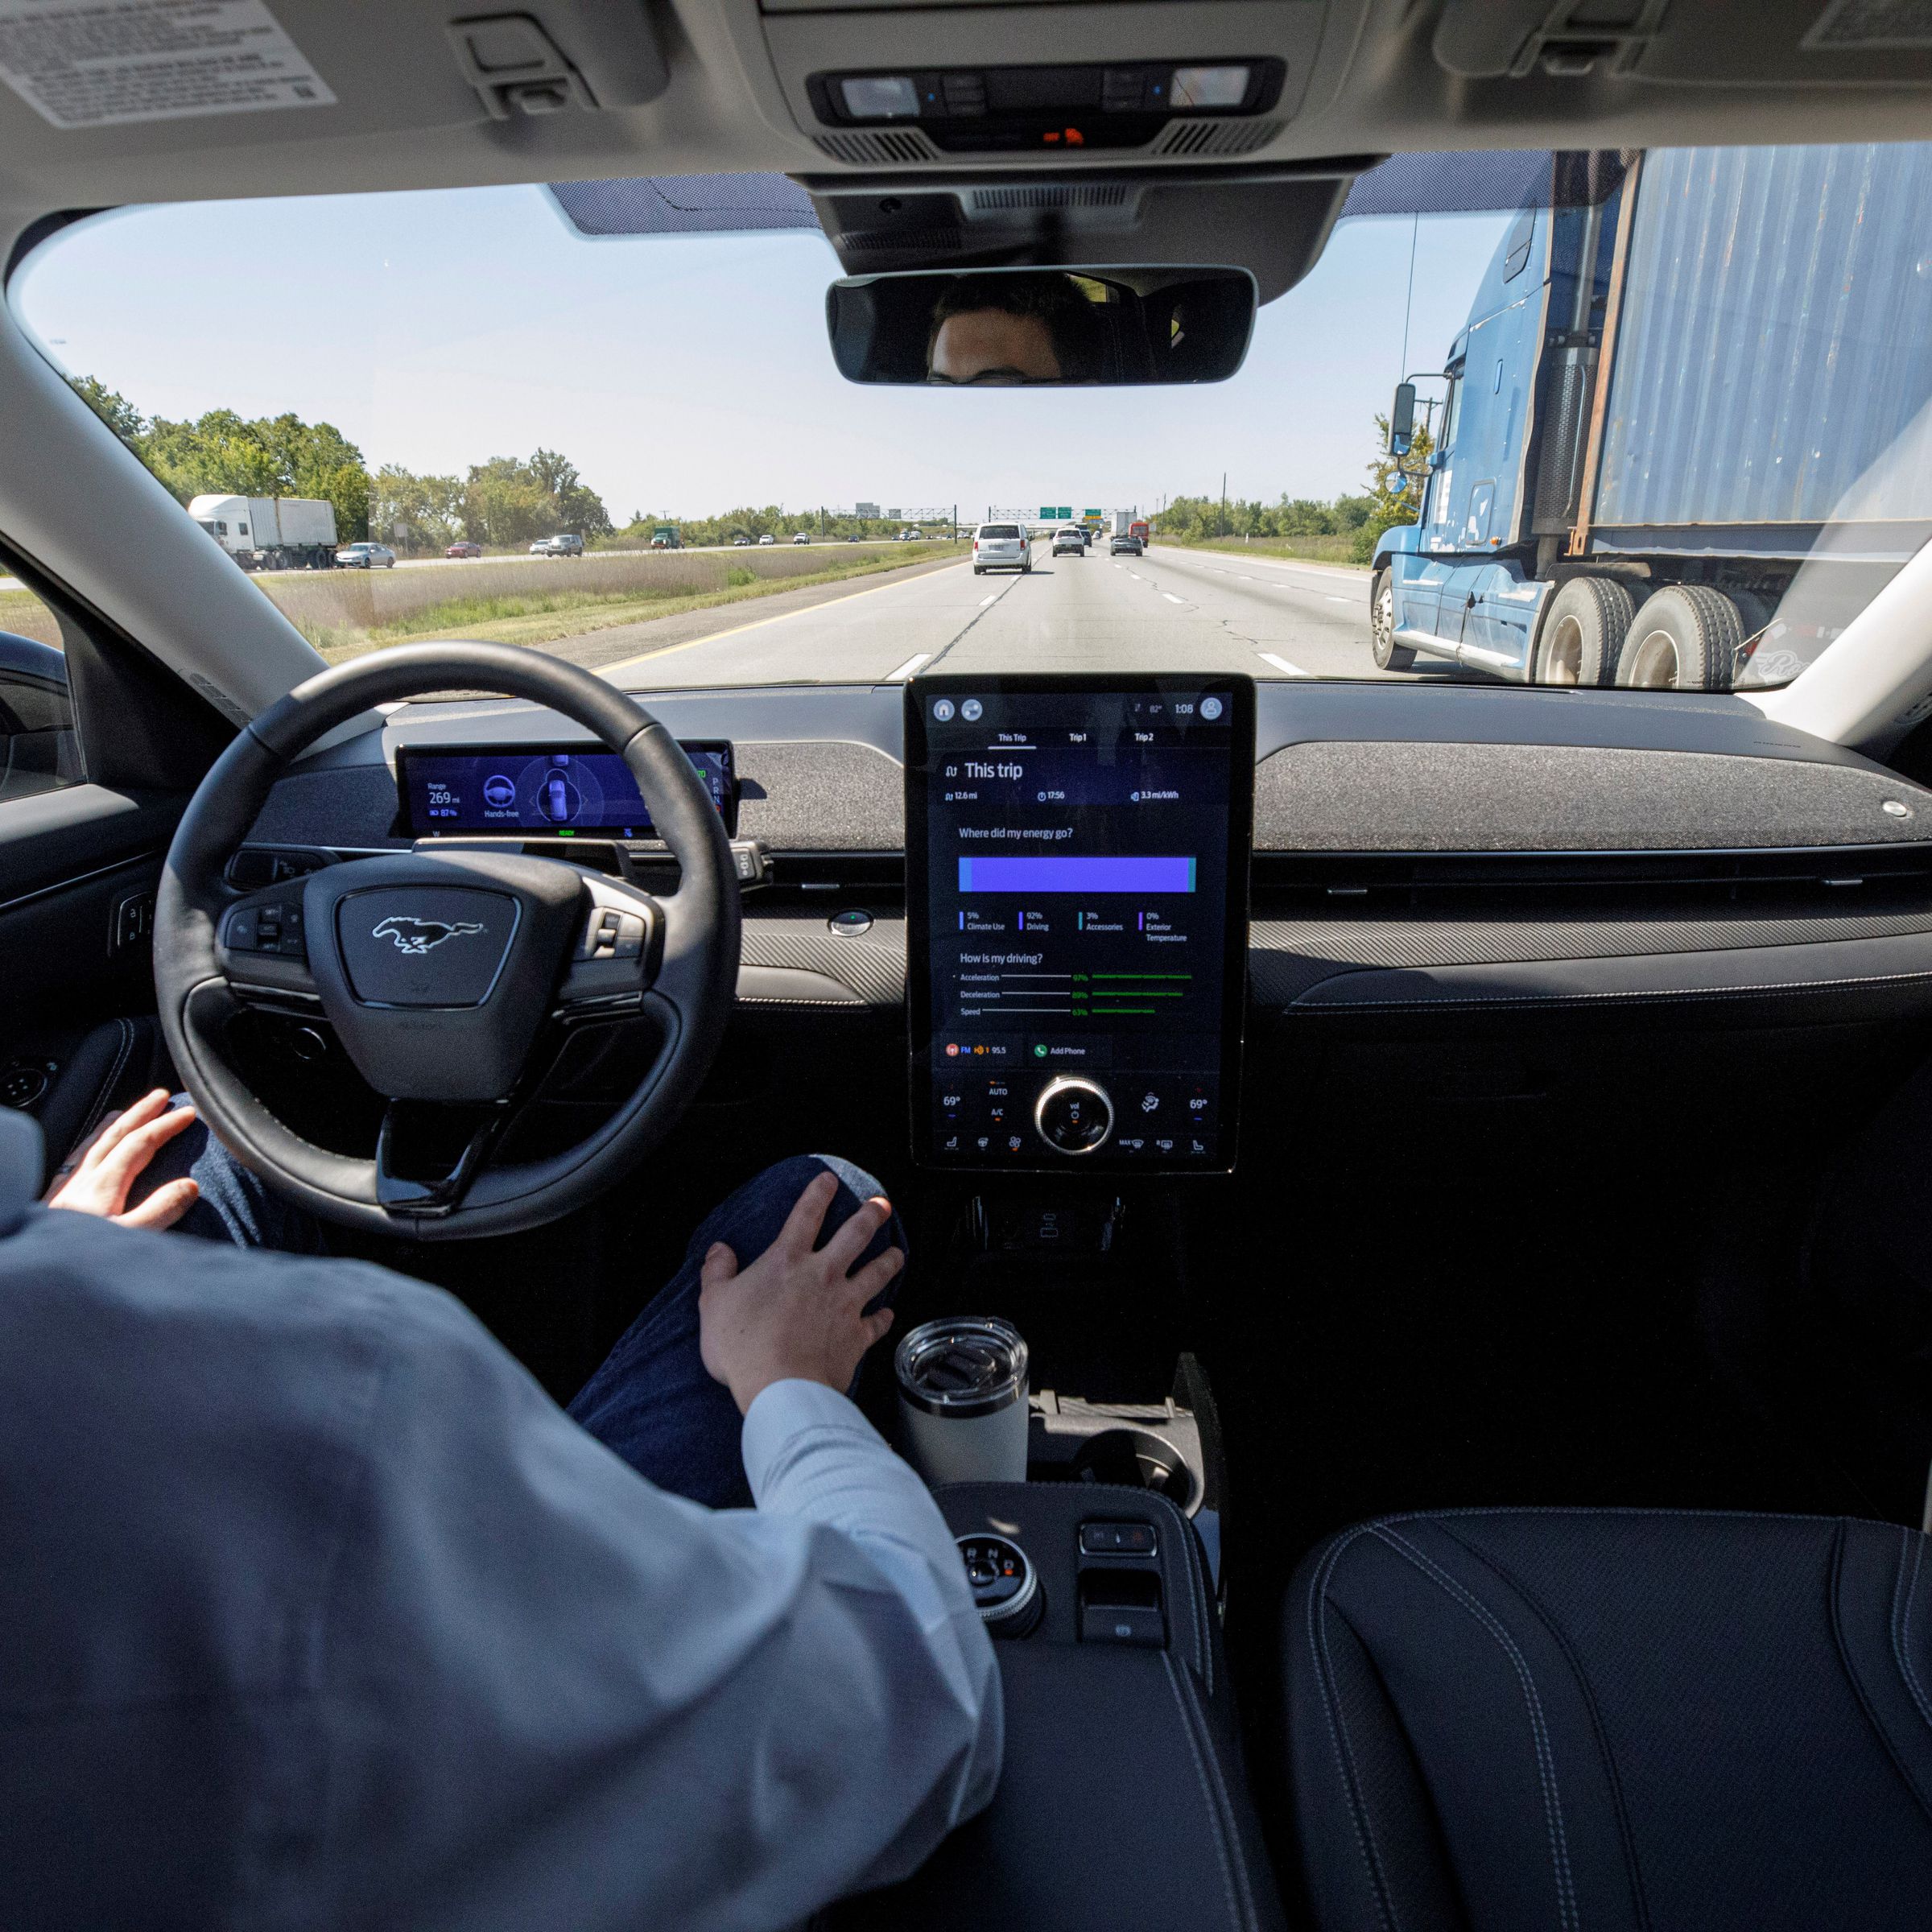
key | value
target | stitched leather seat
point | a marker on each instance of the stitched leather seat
(95, 1073)
(1584, 1720)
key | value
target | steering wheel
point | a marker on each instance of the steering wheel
(450, 978)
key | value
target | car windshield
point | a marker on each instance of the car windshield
(1655, 420)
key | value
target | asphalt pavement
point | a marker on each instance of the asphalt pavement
(1168, 610)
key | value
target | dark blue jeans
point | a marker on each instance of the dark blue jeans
(652, 1400)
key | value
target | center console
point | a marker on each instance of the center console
(1076, 894)
(1121, 1799)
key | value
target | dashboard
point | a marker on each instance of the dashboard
(1077, 919)
(1439, 854)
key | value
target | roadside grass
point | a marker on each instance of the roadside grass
(1308, 550)
(23, 614)
(541, 616)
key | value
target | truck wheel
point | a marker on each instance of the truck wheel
(1389, 656)
(1684, 638)
(1583, 630)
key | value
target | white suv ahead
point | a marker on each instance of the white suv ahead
(1002, 546)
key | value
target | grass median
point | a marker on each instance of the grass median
(344, 615)
(1339, 550)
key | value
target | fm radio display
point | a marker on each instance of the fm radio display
(1077, 874)
(562, 791)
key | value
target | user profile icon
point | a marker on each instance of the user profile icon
(499, 792)
(970, 711)
(1210, 709)
(942, 709)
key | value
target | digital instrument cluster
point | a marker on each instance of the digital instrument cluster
(1077, 885)
(556, 790)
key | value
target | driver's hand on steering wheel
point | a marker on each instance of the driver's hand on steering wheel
(99, 1179)
(796, 1312)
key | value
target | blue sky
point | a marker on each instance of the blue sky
(687, 374)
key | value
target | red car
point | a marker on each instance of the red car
(464, 549)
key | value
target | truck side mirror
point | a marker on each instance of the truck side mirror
(1402, 420)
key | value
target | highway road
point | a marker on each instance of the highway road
(1169, 610)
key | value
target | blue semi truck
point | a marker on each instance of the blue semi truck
(1684, 435)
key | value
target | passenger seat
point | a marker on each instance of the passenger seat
(1587, 1719)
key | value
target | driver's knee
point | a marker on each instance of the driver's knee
(749, 1222)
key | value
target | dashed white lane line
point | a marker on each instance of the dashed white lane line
(1294, 671)
(985, 601)
(1333, 599)
(1171, 598)
(1136, 576)
(906, 669)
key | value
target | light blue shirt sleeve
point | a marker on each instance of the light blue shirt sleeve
(344, 1622)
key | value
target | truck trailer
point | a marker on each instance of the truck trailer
(1594, 511)
(270, 533)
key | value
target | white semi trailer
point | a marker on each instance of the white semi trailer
(270, 533)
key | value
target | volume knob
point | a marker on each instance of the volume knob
(1073, 1115)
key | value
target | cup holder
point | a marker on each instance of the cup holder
(1136, 1459)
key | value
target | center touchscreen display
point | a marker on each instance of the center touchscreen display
(1077, 883)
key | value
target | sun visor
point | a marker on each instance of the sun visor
(1272, 221)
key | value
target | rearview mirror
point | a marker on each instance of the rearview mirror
(1402, 420)
(1042, 327)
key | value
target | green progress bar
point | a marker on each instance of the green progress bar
(1141, 976)
(1110, 1011)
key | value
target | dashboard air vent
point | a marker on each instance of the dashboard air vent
(887, 147)
(1194, 138)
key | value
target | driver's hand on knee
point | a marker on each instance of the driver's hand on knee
(98, 1180)
(796, 1313)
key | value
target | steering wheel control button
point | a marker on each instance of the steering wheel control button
(1117, 1539)
(1006, 1588)
(276, 929)
(748, 861)
(850, 924)
(424, 945)
(611, 934)
(1073, 1115)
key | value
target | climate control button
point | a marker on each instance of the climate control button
(1073, 1115)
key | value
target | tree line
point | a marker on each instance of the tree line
(506, 502)
(1360, 516)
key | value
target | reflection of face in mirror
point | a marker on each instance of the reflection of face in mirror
(998, 329)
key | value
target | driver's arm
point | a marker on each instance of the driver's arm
(383, 1637)
(587, 1701)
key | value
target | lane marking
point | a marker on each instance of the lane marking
(1294, 671)
(1333, 599)
(906, 669)
(985, 601)
(1171, 598)
(783, 616)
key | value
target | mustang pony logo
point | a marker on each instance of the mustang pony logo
(417, 936)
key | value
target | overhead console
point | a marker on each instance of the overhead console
(893, 84)
(983, 110)
(1077, 912)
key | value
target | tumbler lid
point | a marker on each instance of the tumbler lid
(963, 1366)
